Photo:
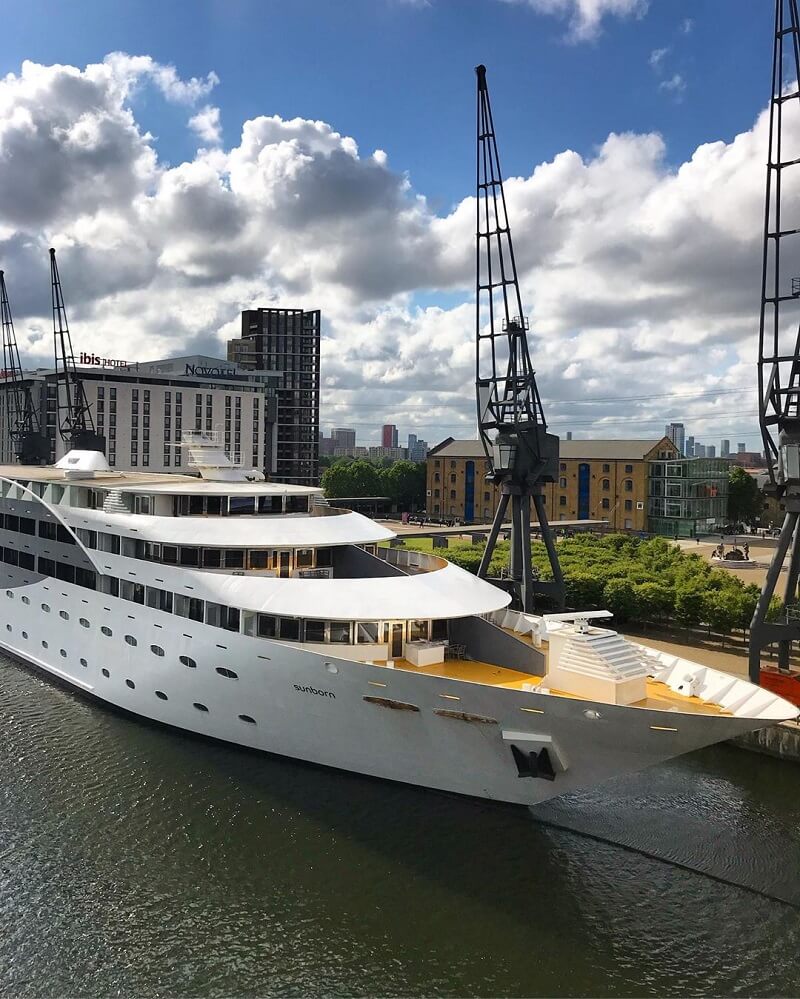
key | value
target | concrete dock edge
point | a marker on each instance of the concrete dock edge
(781, 740)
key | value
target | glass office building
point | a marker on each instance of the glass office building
(688, 497)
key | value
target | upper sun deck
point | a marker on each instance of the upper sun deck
(152, 482)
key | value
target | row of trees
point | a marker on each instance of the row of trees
(402, 481)
(639, 581)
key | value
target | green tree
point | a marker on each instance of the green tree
(404, 482)
(619, 597)
(745, 499)
(351, 478)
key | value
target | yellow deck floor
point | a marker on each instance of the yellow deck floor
(659, 696)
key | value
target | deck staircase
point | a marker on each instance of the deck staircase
(115, 502)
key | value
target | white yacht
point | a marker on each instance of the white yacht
(254, 613)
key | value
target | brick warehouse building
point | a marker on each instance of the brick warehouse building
(598, 480)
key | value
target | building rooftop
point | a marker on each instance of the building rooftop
(612, 448)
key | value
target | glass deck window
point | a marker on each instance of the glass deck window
(234, 558)
(258, 559)
(315, 631)
(239, 505)
(270, 504)
(304, 558)
(341, 632)
(159, 599)
(290, 629)
(189, 607)
(367, 632)
(212, 558)
(190, 556)
(418, 631)
(267, 626)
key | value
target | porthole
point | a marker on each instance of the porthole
(131, 684)
(26, 600)
(46, 608)
(200, 707)
(105, 672)
(84, 663)
(10, 593)
(64, 615)
(131, 640)
(62, 653)
(45, 645)
(161, 695)
(156, 650)
(24, 634)
(223, 671)
(188, 661)
(83, 622)
(8, 627)
(107, 631)
(248, 719)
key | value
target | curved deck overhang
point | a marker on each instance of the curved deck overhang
(291, 531)
(449, 592)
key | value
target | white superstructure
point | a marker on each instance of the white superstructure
(254, 613)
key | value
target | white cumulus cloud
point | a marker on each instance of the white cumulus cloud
(586, 16)
(641, 277)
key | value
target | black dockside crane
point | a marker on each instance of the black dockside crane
(75, 422)
(779, 336)
(30, 445)
(521, 455)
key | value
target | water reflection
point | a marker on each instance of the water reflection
(137, 861)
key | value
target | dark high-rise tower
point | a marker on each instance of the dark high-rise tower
(287, 341)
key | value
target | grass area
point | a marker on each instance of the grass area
(426, 545)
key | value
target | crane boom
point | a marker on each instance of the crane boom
(521, 455)
(779, 337)
(31, 447)
(75, 422)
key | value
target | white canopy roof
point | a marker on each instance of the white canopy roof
(267, 531)
(444, 593)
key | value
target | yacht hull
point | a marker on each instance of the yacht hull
(420, 729)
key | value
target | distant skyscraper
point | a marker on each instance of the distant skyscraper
(740, 448)
(711, 451)
(725, 449)
(699, 450)
(569, 435)
(690, 447)
(677, 434)
(343, 437)
(389, 435)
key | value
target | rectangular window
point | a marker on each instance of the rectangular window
(304, 558)
(241, 505)
(189, 607)
(340, 632)
(190, 556)
(258, 559)
(367, 632)
(212, 558)
(270, 504)
(132, 591)
(315, 631)
(267, 626)
(47, 566)
(290, 629)
(159, 599)
(169, 554)
(109, 585)
(234, 558)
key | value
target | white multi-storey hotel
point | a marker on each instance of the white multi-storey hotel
(143, 408)
(251, 612)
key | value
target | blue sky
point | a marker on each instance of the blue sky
(638, 256)
(396, 75)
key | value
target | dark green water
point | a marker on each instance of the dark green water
(137, 862)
